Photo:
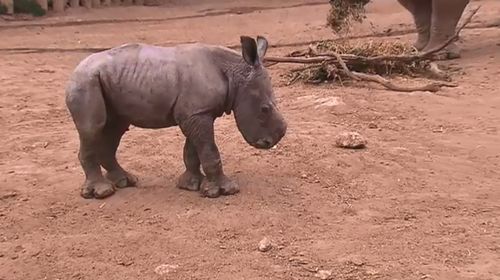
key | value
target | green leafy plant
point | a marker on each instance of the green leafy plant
(28, 7)
(3, 9)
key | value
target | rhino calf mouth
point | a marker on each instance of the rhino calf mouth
(264, 144)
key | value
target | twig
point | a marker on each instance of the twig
(432, 87)
(438, 73)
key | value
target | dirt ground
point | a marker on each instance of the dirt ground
(421, 202)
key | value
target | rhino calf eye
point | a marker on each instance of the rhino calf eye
(265, 109)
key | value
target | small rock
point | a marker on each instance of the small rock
(350, 140)
(303, 176)
(323, 274)
(35, 253)
(297, 260)
(265, 245)
(18, 248)
(372, 125)
(125, 262)
(8, 194)
(357, 261)
(165, 268)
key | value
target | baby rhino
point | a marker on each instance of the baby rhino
(188, 85)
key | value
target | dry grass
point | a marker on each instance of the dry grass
(344, 12)
(329, 70)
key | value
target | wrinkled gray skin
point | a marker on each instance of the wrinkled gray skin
(157, 87)
(436, 21)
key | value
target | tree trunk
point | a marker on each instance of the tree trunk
(74, 3)
(9, 4)
(58, 5)
(44, 4)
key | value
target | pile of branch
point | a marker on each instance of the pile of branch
(334, 65)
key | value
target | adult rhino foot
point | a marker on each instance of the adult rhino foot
(215, 189)
(97, 189)
(452, 51)
(420, 43)
(122, 179)
(189, 181)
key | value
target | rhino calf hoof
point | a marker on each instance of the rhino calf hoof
(189, 181)
(229, 188)
(213, 189)
(122, 180)
(97, 189)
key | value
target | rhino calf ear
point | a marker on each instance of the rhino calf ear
(249, 50)
(262, 45)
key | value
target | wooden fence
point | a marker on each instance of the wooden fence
(60, 5)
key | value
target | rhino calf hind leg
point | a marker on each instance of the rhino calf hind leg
(191, 178)
(111, 136)
(88, 111)
(95, 184)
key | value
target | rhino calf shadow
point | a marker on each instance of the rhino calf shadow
(188, 85)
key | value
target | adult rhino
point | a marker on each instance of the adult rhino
(436, 21)
(189, 86)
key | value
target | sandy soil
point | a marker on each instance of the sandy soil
(421, 202)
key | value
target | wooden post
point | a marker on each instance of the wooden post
(139, 2)
(87, 3)
(44, 4)
(96, 3)
(9, 4)
(58, 5)
(74, 3)
(128, 2)
(116, 2)
(107, 3)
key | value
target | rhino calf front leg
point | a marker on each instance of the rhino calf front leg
(200, 132)
(191, 178)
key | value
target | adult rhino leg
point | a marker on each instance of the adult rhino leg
(111, 136)
(445, 17)
(191, 178)
(86, 105)
(199, 130)
(421, 12)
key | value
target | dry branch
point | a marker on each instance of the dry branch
(343, 60)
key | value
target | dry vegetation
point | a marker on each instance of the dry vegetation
(339, 60)
(329, 70)
(344, 12)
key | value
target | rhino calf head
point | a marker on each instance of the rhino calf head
(255, 109)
